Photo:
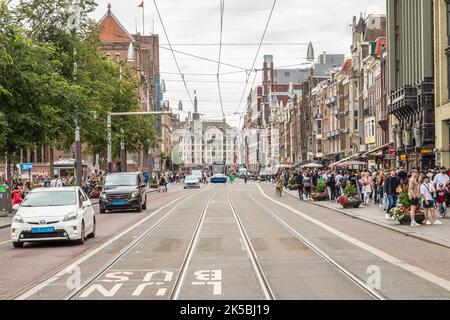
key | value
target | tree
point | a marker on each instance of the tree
(39, 98)
(29, 83)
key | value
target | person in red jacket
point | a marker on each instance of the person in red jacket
(441, 194)
(16, 196)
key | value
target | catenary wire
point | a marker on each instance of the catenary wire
(173, 54)
(257, 53)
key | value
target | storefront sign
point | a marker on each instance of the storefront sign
(392, 152)
(427, 151)
(403, 157)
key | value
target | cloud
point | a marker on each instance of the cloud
(324, 22)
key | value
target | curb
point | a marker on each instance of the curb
(411, 234)
(5, 226)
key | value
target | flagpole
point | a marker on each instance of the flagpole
(143, 19)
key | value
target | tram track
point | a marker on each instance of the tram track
(352, 277)
(180, 280)
(262, 279)
(128, 248)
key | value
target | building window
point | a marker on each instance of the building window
(448, 23)
(319, 127)
(287, 74)
(319, 146)
(356, 120)
(117, 57)
(370, 128)
(448, 76)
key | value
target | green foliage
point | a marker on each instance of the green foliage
(404, 200)
(40, 100)
(321, 185)
(350, 190)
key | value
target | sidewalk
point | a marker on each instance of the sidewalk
(435, 234)
(5, 222)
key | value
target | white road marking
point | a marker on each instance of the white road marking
(190, 253)
(209, 278)
(52, 279)
(381, 254)
(5, 242)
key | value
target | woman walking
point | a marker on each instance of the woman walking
(16, 196)
(427, 191)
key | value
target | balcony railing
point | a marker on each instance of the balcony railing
(334, 133)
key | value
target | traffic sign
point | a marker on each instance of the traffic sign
(26, 166)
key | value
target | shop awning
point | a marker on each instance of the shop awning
(346, 159)
(377, 149)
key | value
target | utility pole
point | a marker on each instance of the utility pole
(109, 169)
(123, 114)
(74, 25)
(123, 154)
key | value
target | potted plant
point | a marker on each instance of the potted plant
(292, 184)
(402, 215)
(320, 193)
(350, 199)
(154, 184)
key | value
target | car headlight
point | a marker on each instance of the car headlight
(135, 194)
(71, 216)
(18, 218)
(103, 195)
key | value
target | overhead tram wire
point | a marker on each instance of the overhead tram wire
(222, 10)
(205, 74)
(191, 55)
(202, 58)
(173, 54)
(256, 56)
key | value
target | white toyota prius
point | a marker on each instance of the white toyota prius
(53, 214)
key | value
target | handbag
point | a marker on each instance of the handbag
(399, 189)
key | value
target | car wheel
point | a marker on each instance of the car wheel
(81, 240)
(92, 235)
(102, 210)
(144, 206)
(18, 244)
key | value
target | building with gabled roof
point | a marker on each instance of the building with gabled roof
(141, 52)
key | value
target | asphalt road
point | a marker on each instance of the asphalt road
(235, 241)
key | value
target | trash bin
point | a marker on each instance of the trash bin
(5, 201)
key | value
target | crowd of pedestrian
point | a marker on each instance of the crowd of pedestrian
(428, 191)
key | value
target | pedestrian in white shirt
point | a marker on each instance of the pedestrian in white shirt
(440, 178)
(56, 182)
(427, 190)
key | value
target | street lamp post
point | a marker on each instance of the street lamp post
(123, 114)
(123, 155)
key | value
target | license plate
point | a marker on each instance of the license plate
(119, 203)
(42, 230)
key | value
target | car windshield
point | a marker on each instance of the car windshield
(50, 199)
(120, 180)
(191, 178)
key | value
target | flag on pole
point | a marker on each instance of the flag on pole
(143, 16)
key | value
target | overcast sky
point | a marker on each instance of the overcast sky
(324, 22)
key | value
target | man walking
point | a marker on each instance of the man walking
(299, 181)
(390, 190)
